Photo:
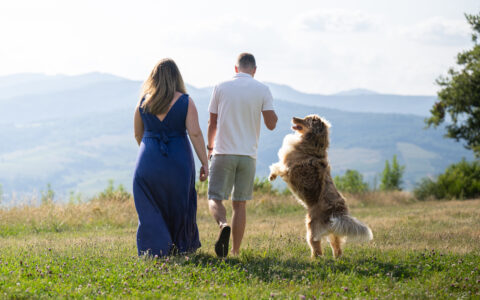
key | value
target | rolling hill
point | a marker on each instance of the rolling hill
(75, 132)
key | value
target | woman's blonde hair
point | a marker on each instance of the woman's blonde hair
(161, 85)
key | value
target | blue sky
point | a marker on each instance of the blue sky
(314, 46)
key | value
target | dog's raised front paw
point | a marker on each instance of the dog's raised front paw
(272, 177)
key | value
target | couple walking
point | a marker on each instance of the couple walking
(164, 180)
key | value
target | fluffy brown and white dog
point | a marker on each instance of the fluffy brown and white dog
(304, 167)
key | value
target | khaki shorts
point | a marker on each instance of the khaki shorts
(231, 171)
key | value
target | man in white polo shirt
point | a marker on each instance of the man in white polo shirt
(235, 110)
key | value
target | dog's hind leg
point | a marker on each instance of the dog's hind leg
(336, 242)
(314, 241)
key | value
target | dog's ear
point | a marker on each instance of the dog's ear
(315, 125)
(317, 135)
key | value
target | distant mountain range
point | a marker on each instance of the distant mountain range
(76, 133)
(358, 100)
(357, 92)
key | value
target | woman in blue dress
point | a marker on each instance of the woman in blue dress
(164, 180)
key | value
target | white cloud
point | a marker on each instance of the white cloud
(438, 31)
(338, 21)
(315, 46)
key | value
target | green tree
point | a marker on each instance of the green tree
(459, 181)
(460, 95)
(392, 176)
(351, 182)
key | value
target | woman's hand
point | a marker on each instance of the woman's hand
(204, 173)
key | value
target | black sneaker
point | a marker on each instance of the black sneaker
(221, 246)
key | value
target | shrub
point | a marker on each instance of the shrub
(74, 197)
(459, 181)
(351, 182)
(260, 186)
(286, 192)
(427, 189)
(201, 187)
(392, 176)
(263, 186)
(111, 193)
(48, 195)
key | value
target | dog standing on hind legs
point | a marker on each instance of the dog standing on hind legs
(304, 167)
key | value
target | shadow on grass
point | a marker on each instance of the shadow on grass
(272, 268)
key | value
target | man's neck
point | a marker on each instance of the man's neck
(246, 73)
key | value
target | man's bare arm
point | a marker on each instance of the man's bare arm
(270, 118)
(212, 131)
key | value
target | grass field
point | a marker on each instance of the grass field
(420, 250)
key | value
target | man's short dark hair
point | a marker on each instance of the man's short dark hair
(246, 61)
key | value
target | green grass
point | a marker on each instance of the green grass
(420, 250)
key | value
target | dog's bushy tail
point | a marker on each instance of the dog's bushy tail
(350, 227)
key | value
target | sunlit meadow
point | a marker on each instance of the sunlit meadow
(87, 249)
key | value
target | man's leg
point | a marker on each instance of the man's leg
(218, 212)
(239, 220)
(222, 174)
(242, 192)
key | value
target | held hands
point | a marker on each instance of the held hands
(204, 172)
(209, 155)
(204, 168)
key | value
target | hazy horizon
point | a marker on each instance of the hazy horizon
(355, 90)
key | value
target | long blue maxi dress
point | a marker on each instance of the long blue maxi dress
(164, 185)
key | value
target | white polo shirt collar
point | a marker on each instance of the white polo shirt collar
(241, 74)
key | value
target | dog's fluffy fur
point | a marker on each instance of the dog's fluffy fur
(304, 167)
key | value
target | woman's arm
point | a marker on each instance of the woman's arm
(138, 125)
(196, 137)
